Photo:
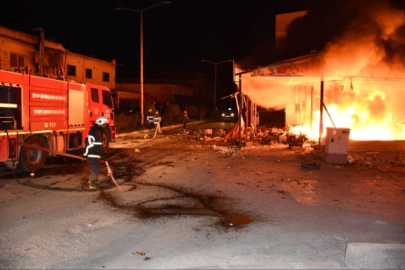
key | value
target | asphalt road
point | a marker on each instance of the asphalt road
(192, 200)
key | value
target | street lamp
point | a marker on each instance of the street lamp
(141, 11)
(215, 79)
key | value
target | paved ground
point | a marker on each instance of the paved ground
(192, 201)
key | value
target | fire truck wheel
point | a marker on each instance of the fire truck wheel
(31, 158)
(106, 141)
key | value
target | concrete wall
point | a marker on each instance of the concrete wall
(129, 93)
(97, 67)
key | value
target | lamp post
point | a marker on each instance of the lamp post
(215, 78)
(141, 11)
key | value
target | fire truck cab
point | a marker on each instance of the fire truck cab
(42, 117)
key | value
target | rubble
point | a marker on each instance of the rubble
(266, 138)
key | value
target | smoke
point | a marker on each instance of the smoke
(353, 38)
(274, 92)
(371, 46)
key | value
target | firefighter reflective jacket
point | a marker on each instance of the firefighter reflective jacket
(94, 142)
(156, 119)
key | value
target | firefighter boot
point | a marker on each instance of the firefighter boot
(93, 183)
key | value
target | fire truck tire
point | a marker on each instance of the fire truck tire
(31, 158)
(106, 141)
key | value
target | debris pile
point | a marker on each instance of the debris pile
(275, 138)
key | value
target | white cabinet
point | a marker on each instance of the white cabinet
(336, 145)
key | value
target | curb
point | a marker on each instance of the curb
(375, 256)
(120, 135)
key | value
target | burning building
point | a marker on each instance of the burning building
(356, 81)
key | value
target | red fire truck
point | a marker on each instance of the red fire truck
(42, 117)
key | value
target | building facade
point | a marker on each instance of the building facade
(24, 52)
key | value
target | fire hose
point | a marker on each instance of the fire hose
(111, 175)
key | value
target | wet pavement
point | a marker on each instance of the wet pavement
(192, 200)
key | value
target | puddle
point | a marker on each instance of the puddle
(182, 204)
(235, 220)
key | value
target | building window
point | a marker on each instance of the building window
(17, 60)
(71, 70)
(88, 73)
(106, 77)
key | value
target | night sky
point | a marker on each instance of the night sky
(178, 35)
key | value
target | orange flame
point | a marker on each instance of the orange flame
(364, 81)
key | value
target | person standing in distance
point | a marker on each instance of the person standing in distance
(149, 119)
(156, 121)
(185, 119)
(94, 150)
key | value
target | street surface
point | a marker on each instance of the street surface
(193, 200)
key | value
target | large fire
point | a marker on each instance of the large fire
(365, 107)
(363, 81)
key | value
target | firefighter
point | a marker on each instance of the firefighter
(156, 122)
(94, 150)
(149, 118)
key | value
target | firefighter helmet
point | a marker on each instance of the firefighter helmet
(101, 120)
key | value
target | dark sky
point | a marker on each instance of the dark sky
(178, 35)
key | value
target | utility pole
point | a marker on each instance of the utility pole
(141, 11)
(215, 77)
